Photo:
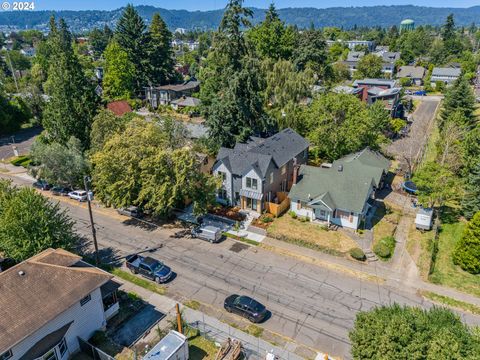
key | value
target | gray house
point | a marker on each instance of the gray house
(253, 172)
(339, 193)
(165, 94)
(445, 75)
(414, 73)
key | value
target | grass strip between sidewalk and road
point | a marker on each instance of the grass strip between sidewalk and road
(146, 284)
(454, 303)
(242, 239)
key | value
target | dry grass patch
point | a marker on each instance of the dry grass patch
(385, 222)
(310, 235)
(419, 246)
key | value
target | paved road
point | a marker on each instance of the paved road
(313, 305)
(409, 148)
(22, 140)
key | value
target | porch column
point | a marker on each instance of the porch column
(328, 218)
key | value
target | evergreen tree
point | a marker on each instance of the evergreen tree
(237, 112)
(131, 34)
(471, 201)
(272, 38)
(161, 56)
(467, 250)
(99, 40)
(459, 98)
(73, 102)
(230, 39)
(119, 78)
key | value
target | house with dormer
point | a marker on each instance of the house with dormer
(339, 193)
(255, 171)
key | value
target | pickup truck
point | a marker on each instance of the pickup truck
(148, 267)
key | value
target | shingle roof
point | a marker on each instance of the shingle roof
(346, 189)
(187, 101)
(438, 71)
(355, 55)
(39, 289)
(188, 85)
(257, 153)
(414, 72)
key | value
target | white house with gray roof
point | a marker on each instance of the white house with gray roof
(339, 193)
(445, 75)
(253, 172)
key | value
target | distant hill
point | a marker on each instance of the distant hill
(346, 17)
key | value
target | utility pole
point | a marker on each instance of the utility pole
(86, 180)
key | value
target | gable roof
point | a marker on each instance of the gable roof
(257, 153)
(414, 72)
(187, 101)
(355, 55)
(345, 185)
(439, 71)
(41, 288)
(187, 85)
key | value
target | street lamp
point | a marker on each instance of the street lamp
(86, 181)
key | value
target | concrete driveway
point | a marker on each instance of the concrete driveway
(23, 140)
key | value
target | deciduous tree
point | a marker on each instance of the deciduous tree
(30, 223)
(369, 66)
(119, 78)
(395, 332)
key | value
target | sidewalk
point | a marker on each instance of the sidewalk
(376, 271)
(210, 327)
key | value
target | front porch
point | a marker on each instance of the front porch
(251, 200)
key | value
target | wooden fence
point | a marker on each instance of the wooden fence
(278, 209)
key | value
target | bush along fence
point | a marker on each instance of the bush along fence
(433, 256)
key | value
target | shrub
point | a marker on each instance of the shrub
(384, 248)
(267, 219)
(358, 254)
(467, 249)
(19, 160)
(292, 214)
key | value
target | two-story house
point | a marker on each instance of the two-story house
(339, 193)
(165, 94)
(49, 301)
(253, 172)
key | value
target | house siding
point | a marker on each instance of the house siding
(86, 320)
(227, 183)
(253, 174)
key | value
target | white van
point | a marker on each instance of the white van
(208, 232)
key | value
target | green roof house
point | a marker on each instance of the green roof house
(339, 193)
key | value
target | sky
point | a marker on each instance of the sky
(217, 4)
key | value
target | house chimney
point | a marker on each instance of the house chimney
(296, 168)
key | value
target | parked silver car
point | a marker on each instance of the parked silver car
(79, 195)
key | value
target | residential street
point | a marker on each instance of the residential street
(311, 304)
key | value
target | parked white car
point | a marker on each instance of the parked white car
(79, 195)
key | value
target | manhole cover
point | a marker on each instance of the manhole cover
(237, 247)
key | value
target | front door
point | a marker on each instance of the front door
(251, 204)
(321, 214)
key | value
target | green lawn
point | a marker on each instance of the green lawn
(137, 280)
(446, 272)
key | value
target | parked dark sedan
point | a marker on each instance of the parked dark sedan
(61, 191)
(247, 307)
(42, 185)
